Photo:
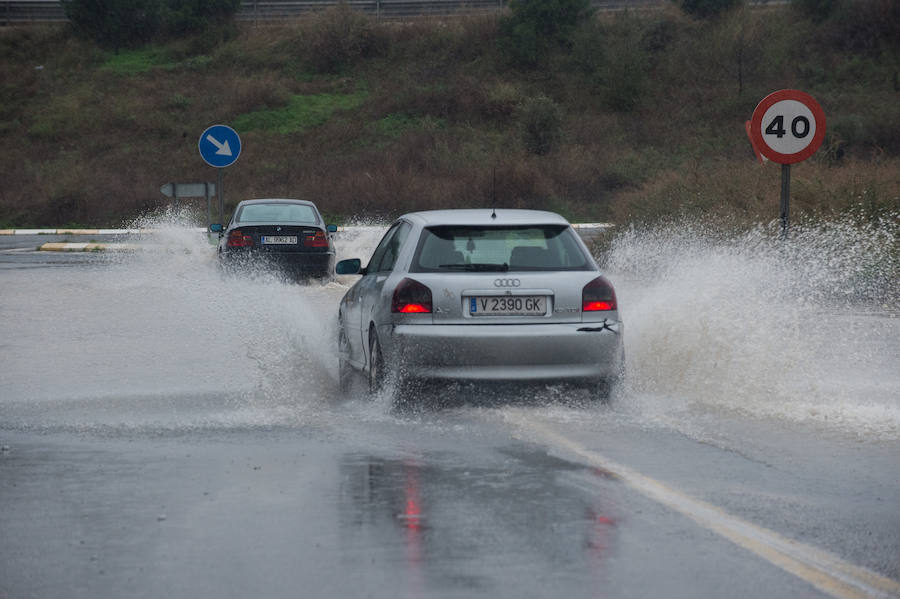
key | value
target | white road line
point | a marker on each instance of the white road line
(827, 572)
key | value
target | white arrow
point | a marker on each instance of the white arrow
(224, 148)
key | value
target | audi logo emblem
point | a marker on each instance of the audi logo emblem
(507, 282)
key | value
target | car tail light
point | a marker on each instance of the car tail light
(236, 239)
(411, 297)
(317, 240)
(598, 295)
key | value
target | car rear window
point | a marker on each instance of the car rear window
(514, 248)
(277, 213)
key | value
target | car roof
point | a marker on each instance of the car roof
(483, 216)
(277, 201)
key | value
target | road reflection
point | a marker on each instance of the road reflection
(451, 526)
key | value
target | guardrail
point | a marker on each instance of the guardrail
(14, 12)
(17, 12)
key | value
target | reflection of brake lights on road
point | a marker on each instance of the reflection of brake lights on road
(411, 519)
(598, 541)
(412, 514)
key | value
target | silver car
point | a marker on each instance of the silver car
(480, 296)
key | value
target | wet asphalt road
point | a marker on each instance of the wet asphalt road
(459, 503)
(280, 488)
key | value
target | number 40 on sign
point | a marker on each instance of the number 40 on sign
(787, 127)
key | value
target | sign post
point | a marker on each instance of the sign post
(192, 190)
(219, 147)
(787, 127)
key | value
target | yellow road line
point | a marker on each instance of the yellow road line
(827, 572)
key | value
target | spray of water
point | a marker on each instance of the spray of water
(805, 331)
(718, 322)
(160, 339)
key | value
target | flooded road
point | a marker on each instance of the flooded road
(165, 431)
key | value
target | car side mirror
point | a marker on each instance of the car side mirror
(332, 228)
(353, 266)
(216, 228)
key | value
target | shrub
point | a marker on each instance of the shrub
(864, 26)
(704, 9)
(535, 27)
(128, 23)
(541, 121)
(114, 23)
(817, 10)
(337, 37)
(625, 73)
(187, 16)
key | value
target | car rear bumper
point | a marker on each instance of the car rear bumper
(303, 263)
(563, 352)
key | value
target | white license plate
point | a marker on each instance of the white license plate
(508, 305)
(279, 240)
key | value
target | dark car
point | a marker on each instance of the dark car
(288, 234)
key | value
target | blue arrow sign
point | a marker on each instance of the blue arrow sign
(219, 146)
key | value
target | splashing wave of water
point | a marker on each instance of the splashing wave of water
(806, 330)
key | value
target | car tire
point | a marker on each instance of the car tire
(604, 389)
(345, 371)
(377, 374)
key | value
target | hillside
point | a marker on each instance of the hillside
(642, 117)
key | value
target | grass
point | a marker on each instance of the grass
(142, 60)
(370, 119)
(301, 113)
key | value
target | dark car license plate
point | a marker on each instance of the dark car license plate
(279, 240)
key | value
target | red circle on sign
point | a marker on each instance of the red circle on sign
(769, 101)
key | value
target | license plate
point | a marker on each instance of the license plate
(508, 305)
(279, 240)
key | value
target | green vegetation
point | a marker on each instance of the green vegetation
(119, 24)
(535, 28)
(705, 9)
(301, 113)
(622, 116)
(541, 125)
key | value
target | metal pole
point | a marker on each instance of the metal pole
(208, 206)
(220, 191)
(785, 200)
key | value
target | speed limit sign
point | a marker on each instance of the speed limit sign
(788, 126)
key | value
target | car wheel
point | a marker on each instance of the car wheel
(345, 371)
(376, 364)
(604, 389)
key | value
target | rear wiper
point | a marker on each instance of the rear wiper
(477, 267)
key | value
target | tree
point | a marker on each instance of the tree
(704, 9)
(126, 23)
(187, 16)
(535, 27)
(817, 10)
(114, 23)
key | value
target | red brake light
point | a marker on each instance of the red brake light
(318, 240)
(598, 295)
(236, 239)
(411, 297)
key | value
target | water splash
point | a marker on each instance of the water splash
(806, 331)
(160, 339)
